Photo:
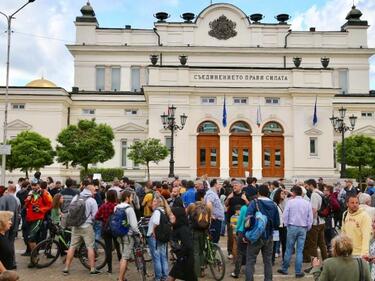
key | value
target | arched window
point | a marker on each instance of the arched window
(208, 127)
(240, 127)
(272, 128)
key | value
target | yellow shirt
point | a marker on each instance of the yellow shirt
(147, 203)
(358, 227)
(182, 190)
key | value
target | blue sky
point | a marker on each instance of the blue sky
(43, 28)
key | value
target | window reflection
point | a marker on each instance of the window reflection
(277, 158)
(202, 157)
(213, 157)
(235, 157)
(267, 157)
(245, 157)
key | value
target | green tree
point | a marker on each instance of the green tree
(359, 152)
(30, 151)
(85, 143)
(146, 151)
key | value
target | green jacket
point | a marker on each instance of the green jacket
(341, 269)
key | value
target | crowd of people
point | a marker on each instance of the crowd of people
(318, 223)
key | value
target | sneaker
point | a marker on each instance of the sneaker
(282, 272)
(300, 275)
(233, 275)
(230, 256)
(95, 272)
(65, 271)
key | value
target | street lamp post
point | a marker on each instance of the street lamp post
(169, 122)
(5, 129)
(340, 126)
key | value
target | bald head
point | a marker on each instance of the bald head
(12, 188)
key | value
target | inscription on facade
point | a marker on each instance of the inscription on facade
(240, 77)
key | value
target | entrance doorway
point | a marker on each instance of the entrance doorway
(273, 150)
(240, 149)
(208, 150)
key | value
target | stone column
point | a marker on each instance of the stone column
(224, 155)
(257, 155)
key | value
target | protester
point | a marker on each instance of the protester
(9, 202)
(68, 193)
(84, 231)
(297, 227)
(281, 233)
(241, 243)
(56, 213)
(182, 247)
(161, 216)
(127, 241)
(342, 266)
(315, 236)
(37, 204)
(365, 204)
(268, 208)
(237, 197)
(356, 224)
(216, 209)
(147, 200)
(6, 247)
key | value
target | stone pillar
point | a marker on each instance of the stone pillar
(288, 156)
(257, 155)
(224, 156)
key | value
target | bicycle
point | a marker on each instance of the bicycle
(142, 226)
(139, 259)
(47, 251)
(214, 257)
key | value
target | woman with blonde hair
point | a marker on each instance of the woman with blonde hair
(342, 266)
(6, 256)
(158, 235)
(56, 213)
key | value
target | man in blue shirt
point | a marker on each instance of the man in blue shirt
(213, 202)
(189, 196)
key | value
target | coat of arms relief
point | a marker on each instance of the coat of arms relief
(222, 28)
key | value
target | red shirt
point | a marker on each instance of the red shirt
(105, 211)
(43, 200)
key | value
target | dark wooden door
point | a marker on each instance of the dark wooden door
(208, 155)
(240, 155)
(273, 156)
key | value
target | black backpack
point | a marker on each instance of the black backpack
(325, 209)
(77, 212)
(163, 230)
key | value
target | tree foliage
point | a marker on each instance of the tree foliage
(85, 143)
(30, 151)
(146, 151)
(359, 151)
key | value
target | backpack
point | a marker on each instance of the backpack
(118, 222)
(259, 227)
(325, 209)
(163, 231)
(200, 217)
(77, 212)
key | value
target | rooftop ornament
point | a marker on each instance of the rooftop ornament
(283, 18)
(255, 18)
(188, 17)
(161, 16)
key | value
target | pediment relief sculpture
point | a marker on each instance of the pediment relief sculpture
(222, 28)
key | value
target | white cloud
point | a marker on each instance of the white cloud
(332, 16)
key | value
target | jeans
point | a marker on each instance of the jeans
(215, 228)
(294, 234)
(98, 230)
(266, 246)
(222, 231)
(159, 258)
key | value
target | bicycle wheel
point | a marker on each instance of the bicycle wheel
(100, 257)
(217, 265)
(141, 267)
(147, 253)
(45, 253)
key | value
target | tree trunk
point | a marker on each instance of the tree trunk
(148, 170)
(360, 176)
(27, 173)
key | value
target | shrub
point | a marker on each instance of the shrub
(353, 173)
(108, 174)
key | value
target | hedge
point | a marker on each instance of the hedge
(108, 174)
(353, 173)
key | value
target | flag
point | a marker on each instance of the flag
(259, 116)
(224, 114)
(315, 117)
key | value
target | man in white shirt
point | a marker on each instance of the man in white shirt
(315, 236)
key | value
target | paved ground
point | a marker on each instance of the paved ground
(78, 272)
